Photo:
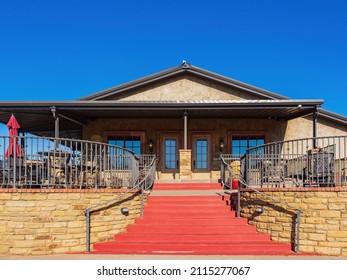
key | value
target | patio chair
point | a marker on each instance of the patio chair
(58, 167)
(321, 166)
(272, 173)
(90, 173)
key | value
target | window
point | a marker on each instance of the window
(118, 158)
(201, 154)
(170, 153)
(132, 143)
(239, 144)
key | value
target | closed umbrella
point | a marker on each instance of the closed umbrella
(14, 147)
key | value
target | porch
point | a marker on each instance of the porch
(65, 163)
(309, 162)
(45, 162)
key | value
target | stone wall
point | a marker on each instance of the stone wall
(185, 164)
(324, 220)
(47, 221)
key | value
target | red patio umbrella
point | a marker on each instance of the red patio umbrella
(13, 127)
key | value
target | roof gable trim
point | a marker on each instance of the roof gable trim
(184, 68)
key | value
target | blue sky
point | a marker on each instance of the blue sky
(63, 50)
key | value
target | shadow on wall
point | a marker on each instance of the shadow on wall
(250, 210)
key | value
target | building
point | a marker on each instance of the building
(201, 126)
(186, 115)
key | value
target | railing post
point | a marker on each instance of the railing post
(142, 199)
(87, 214)
(298, 221)
(238, 199)
(246, 167)
(222, 170)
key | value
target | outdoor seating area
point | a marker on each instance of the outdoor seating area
(64, 163)
(319, 162)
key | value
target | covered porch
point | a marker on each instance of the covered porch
(190, 140)
(187, 137)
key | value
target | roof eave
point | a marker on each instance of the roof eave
(134, 84)
(80, 104)
(333, 116)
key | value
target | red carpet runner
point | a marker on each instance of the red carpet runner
(191, 225)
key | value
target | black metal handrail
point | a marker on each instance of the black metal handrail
(243, 183)
(144, 182)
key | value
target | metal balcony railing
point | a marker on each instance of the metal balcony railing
(313, 162)
(55, 163)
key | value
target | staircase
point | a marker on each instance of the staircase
(201, 223)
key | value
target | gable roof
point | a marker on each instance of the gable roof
(185, 68)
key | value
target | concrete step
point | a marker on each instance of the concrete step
(191, 221)
(195, 214)
(187, 186)
(189, 230)
(194, 249)
(194, 239)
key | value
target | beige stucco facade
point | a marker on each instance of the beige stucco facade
(184, 88)
(302, 128)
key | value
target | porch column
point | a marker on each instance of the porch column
(185, 155)
(314, 124)
(185, 132)
(56, 125)
(185, 166)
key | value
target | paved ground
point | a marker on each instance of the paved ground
(162, 257)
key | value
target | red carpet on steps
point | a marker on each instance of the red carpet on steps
(191, 225)
(186, 186)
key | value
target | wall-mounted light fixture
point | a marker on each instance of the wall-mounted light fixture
(124, 211)
(221, 144)
(150, 145)
(259, 209)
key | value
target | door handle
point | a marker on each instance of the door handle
(194, 164)
(178, 164)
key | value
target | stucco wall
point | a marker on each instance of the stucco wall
(36, 222)
(303, 128)
(324, 220)
(184, 88)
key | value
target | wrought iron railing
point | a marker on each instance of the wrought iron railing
(230, 172)
(230, 168)
(145, 160)
(55, 163)
(144, 182)
(313, 162)
(304, 162)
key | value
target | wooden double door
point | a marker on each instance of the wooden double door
(200, 145)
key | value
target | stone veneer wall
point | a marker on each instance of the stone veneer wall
(185, 157)
(51, 221)
(324, 220)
